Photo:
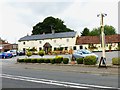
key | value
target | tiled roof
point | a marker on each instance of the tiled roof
(48, 36)
(96, 39)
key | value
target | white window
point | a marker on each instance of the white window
(54, 41)
(67, 40)
(40, 42)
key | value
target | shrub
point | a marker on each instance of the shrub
(65, 60)
(41, 53)
(116, 61)
(52, 61)
(79, 60)
(40, 60)
(20, 60)
(58, 59)
(33, 60)
(47, 60)
(90, 60)
(27, 60)
(29, 53)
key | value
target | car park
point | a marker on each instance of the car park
(83, 53)
(5, 55)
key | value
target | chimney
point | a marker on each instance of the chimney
(53, 31)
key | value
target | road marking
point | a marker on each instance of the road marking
(53, 82)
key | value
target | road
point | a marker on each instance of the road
(17, 76)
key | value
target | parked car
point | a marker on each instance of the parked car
(20, 53)
(13, 52)
(6, 55)
(83, 53)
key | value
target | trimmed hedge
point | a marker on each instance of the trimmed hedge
(79, 60)
(33, 60)
(116, 61)
(58, 59)
(20, 60)
(52, 61)
(40, 60)
(27, 60)
(47, 60)
(90, 60)
(65, 60)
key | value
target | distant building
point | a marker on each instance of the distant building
(94, 42)
(5, 46)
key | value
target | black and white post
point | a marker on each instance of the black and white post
(103, 58)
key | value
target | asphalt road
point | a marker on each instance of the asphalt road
(20, 77)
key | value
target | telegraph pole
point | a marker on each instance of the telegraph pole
(103, 58)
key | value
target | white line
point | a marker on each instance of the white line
(36, 81)
(67, 84)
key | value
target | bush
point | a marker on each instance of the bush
(65, 60)
(47, 60)
(90, 60)
(58, 59)
(116, 61)
(41, 53)
(79, 60)
(29, 53)
(27, 60)
(52, 61)
(40, 60)
(33, 60)
(20, 60)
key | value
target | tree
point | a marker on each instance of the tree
(95, 32)
(108, 30)
(48, 25)
(85, 32)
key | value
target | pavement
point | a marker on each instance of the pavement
(88, 69)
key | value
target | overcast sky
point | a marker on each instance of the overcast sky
(19, 16)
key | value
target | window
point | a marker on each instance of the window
(66, 48)
(67, 40)
(40, 42)
(81, 47)
(24, 43)
(74, 48)
(54, 49)
(40, 48)
(54, 41)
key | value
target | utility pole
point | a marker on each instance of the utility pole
(103, 58)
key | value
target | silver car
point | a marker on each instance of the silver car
(83, 53)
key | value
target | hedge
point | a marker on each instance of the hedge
(47, 60)
(58, 59)
(40, 60)
(90, 60)
(65, 60)
(79, 60)
(116, 61)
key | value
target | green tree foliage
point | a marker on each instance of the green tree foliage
(85, 32)
(48, 24)
(108, 30)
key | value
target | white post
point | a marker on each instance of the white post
(103, 37)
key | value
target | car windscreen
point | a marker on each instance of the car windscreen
(86, 52)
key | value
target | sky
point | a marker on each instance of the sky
(17, 17)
